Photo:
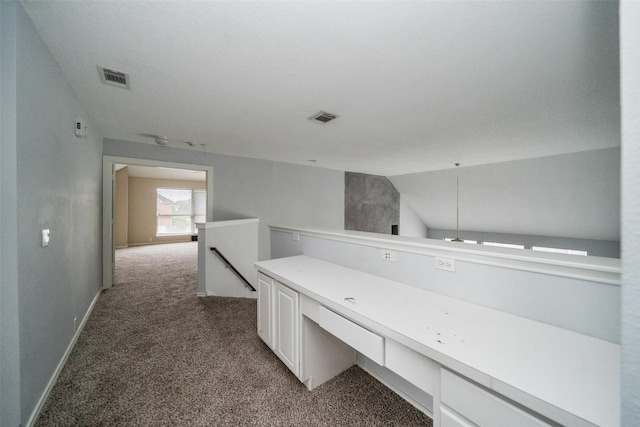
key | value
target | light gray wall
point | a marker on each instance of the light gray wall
(572, 195)
(274, 192)
(371, 203)
(560, 301)
(410, 223)
(630, 64)
(57, 180)
(9, 325)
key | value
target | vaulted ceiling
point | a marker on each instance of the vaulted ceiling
(416, 86)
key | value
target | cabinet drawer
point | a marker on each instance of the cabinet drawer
(481, 407)
(448, 418)
(419, 370)
(362, 340)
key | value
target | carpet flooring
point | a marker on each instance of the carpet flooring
(154, 354)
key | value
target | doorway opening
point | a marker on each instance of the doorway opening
(151, 222)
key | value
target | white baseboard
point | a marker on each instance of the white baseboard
(52, 381)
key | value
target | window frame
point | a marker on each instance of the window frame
(190, 216)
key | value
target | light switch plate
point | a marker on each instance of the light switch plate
(45, 237)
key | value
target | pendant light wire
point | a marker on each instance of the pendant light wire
(457, 239)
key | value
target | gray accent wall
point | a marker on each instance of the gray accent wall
(50, 179)
(274, 192)
(371, 203)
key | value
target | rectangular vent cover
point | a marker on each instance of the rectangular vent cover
(323, 117)
(114, 78)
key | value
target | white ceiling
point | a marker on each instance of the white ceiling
(417, 86)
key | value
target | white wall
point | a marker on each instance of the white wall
(411, 224)
(566, 302)
(56, 178)
(630, 99)
(237, 241)
(572, 195)
(276, 193)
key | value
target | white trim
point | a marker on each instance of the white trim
(595, 269)
(108, 235)
(166, 242)
(52, 381)
(216, 224)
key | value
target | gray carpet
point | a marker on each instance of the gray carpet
(153, 354)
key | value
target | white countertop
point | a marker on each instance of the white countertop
(569, 377)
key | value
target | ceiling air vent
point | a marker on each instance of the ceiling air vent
(323, 117)
(114, 78)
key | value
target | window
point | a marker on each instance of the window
(179, 209)
(503, 245)
(559, 251)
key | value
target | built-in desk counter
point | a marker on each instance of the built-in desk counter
(563, 376)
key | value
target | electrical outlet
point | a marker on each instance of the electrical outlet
(296, 237)
(75, 324)
(388, 255)
(445, 264)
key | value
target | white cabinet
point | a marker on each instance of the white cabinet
(465, 403)
(501, 381)
(361, 339)
(265, 309)
(287, 326)
(279, 320)
(449, 418)
(414, 367)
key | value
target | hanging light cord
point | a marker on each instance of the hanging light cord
(457, 239)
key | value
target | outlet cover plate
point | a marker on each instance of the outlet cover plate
(445, 264)
(388, 255)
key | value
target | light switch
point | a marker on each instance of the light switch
(45, 237)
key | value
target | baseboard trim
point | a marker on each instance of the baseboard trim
(159, 242)
(52, 381)
(201, 294)
(396, 390)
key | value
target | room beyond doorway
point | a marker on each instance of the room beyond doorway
(157, 204)
(110, 165)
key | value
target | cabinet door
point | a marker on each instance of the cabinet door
(287, 325)
(265, 310)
